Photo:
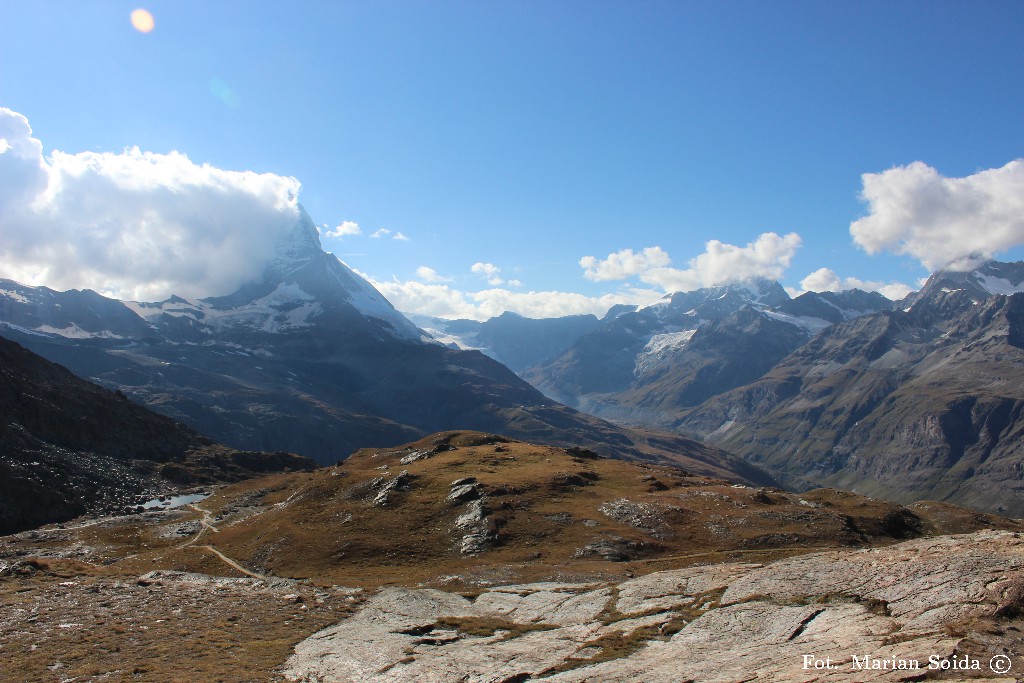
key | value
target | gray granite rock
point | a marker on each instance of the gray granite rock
(821, 617)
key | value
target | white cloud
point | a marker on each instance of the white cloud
(428, 274)
(380, 233)
(826, 280)
(488, 271)
(134, 224)
(400, 236)
(345, 229)
(624, 264)
(444, 301)
(768, 256)
(943, 222)
(513, 283)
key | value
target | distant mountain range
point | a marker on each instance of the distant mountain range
(68, 447)
(914, 400)
(924, 401)
(908, 400)
(643, 365)
(517, 342)
(311, 359)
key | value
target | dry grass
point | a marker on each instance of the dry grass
(96, 627)
(87, 616)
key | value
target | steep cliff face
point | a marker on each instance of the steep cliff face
(918, 403)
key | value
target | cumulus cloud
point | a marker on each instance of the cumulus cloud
(942, 222)
(381, 232)
(489, 271)
(442, 300)
(345, 229)
(428, 274)
(400, 236)
(135, 224)
(445, 301)
(768, 256)
(624, 264)
(826, 280)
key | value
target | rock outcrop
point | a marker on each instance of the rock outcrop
(939, 607)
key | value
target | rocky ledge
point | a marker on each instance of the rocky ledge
(936, 608)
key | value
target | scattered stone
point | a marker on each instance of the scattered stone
(463, 493)
(654, 519)
(611, 548)
(387, 488)
(473, 517)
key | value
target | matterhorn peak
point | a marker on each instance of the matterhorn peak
(302, 285)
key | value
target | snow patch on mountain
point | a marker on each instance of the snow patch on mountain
(73, 331)
(664, 301)
(451, 340)
(847, 313)
(13, 295)
(998, 285)
(368, 301)
(287, 307)
(812, 325)
(659, 347)
(175, 307)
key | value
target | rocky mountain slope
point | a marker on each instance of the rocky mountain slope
(68, 447)
(642, 366)
(312, 360)
(921, 402)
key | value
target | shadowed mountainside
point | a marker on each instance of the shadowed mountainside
(68, 446)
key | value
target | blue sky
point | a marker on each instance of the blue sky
(528, 135)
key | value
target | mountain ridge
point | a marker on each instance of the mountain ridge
(642, 366)
(921, 401)
(298, 361)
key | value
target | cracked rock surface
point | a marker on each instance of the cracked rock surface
(951, 598)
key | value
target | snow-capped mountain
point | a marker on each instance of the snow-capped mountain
(644, 365)
(923, 401)
(302, 287)
(991, 278)
(309, 359)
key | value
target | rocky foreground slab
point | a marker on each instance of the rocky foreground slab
(934, 608)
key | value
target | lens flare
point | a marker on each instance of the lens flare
(142, 20)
